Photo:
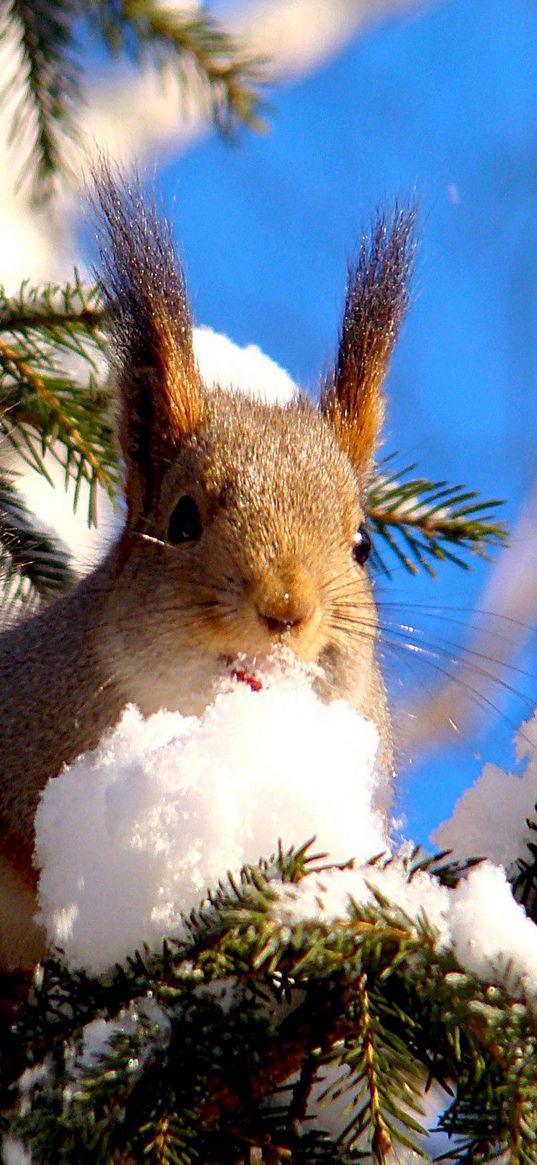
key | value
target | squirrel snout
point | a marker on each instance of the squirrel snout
(285, 599)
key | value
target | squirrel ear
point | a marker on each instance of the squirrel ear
(159, 388)
(376, 298)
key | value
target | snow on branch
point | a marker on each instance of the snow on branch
(301, 1001)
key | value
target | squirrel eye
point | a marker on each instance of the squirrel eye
(361, 546)
(185, 522)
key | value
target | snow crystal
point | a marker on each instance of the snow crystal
(135, 832)
(98, 1035)
(98, 1041)
(489, 820)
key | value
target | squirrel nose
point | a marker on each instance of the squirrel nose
(285, 599)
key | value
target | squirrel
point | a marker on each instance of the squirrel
(245, 529)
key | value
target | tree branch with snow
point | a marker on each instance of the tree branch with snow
(302, 1005)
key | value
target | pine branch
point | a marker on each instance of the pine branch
(525, 877)
(506, 1129)
(32, 565)
(220, 1068)
(420, 520)
(149, 29)
(146, 30)
(43, 29)
(365, 1063)
(72, 314)
(52, 395)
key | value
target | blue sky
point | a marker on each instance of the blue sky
(440, 105)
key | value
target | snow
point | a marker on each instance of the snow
(14, 1152)
(98, 1036)
(490, 819)
(138, 830)
(326, 897)
(480, 921)
(491, 934)
(248, 369)
(133, 834)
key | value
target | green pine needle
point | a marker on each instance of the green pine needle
(422, 521)
(148, 29)
(53, 395)
(43, 29)
(71, 314)
(226, 1073)
(32, 565)
(193, 44)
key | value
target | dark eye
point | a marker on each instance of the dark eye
(185, 522)
(361, 546)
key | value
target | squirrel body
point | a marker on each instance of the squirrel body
(245, 532)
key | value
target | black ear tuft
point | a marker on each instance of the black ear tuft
(375, 303)
(160, 399)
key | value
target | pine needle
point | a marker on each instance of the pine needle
(423, 521)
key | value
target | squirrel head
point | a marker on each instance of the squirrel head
(246, 522)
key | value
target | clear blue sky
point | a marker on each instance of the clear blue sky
(442, 104)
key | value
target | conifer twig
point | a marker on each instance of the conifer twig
(50, 89)
(53, 396)
(230, 77)
(192, 43)
(55, 310)
(374, 995)
(32, 565)
(422, 520)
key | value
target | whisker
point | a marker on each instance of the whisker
(466, 658)
(434, 661)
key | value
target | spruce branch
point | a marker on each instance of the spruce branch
(421, 520)
(52, 392)
(43, 29)
(193, 44)
(226, 1069)
(32, 565)
(525, 874)
(146, 28)
(72, 314)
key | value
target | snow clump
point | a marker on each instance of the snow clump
(489, 820)
(132, 835)
(136, 831)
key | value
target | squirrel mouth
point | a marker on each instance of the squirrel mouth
(259, 671)
(242, 670)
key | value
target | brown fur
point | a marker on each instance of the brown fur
(159, 390)
(280, 492)
(377, 293)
